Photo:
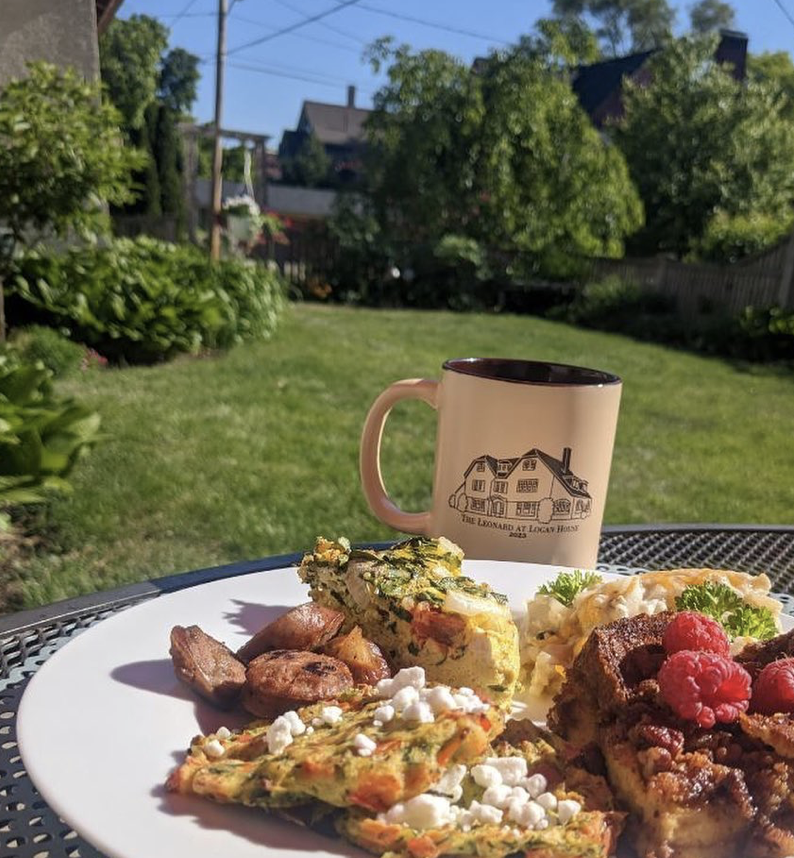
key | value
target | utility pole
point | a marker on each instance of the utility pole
(217, 155)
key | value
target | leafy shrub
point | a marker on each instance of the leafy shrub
(616, 305)
(41, 436)
(728, 239)
(143, 300)
(60, 355)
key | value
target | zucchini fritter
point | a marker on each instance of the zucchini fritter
(324, 764)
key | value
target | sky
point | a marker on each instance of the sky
(267, 83)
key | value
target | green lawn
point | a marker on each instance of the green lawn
(255, 452)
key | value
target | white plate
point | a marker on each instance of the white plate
(104, 721)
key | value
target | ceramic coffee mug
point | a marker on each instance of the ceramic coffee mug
(523, 452)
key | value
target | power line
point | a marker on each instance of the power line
(274, 72)
(459, 31)
(181, 15)
(305, 36)
(297, 25)
(785, 12)
(324, 24)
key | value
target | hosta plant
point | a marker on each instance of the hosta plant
(42, 436)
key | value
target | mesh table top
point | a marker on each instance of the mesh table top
(30, 829)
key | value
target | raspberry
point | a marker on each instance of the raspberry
(690, 630)
(773, 689)
(704, 687)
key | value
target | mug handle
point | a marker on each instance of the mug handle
(369, 459)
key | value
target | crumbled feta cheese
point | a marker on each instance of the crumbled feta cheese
(223, 732)
(450, 783)
(440, 699)
(364, 745)
(407, 677)
(279, 735)
(384, 713)
(297, 727)
(527, 815)
(543, 824)
(485, 813)
(567, 809)
(519, 794)
(466, 691)
(422, 811)
(486, 776)
(331, 715)
(419, 711)
(547, 800)
(405, 697)
(497, 796)
(512, 769)
(469, 704)
(213, 748)
(309, 731)
(535, 785)
(317, 722)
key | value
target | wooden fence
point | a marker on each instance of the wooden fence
(697, 289)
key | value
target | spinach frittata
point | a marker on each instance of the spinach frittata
(416, 604)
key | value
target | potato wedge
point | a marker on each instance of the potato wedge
(362, 656)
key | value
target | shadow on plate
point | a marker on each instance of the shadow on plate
(256, 826)
(157, 676)
(250, 617)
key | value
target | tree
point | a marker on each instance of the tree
(233, 160)
(623, 25)
(776, 69)
(130, 53)
(178, 81)
(710, 16)
(698, 142)
(503, 155)
(309, 166)
(563, 42)
(62, 155)
(152, 89)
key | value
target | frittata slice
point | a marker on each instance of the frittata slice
(589, 832)
(413, 601)
(325, 761)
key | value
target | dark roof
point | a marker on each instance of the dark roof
(554, 465)
(594, 84)
(599, 86)
(335, 123)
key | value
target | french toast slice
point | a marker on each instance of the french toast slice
(692, 793)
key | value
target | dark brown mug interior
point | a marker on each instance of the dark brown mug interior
(530, 371)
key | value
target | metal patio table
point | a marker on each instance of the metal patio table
(30, 829)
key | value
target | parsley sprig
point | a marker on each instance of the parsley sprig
(738, 618)
(567, 585)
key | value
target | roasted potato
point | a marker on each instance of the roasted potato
(362, 656)
(286, 679)
(206, 665)
(306, 627)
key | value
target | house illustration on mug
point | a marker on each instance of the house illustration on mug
(535, 486)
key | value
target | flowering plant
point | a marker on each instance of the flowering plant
(243, 206)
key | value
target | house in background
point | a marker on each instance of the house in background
(532, 487)
(64, 32)
(599, 86)
(340, 130)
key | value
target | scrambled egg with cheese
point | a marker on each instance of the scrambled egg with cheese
(554, 633)
(415, 603)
